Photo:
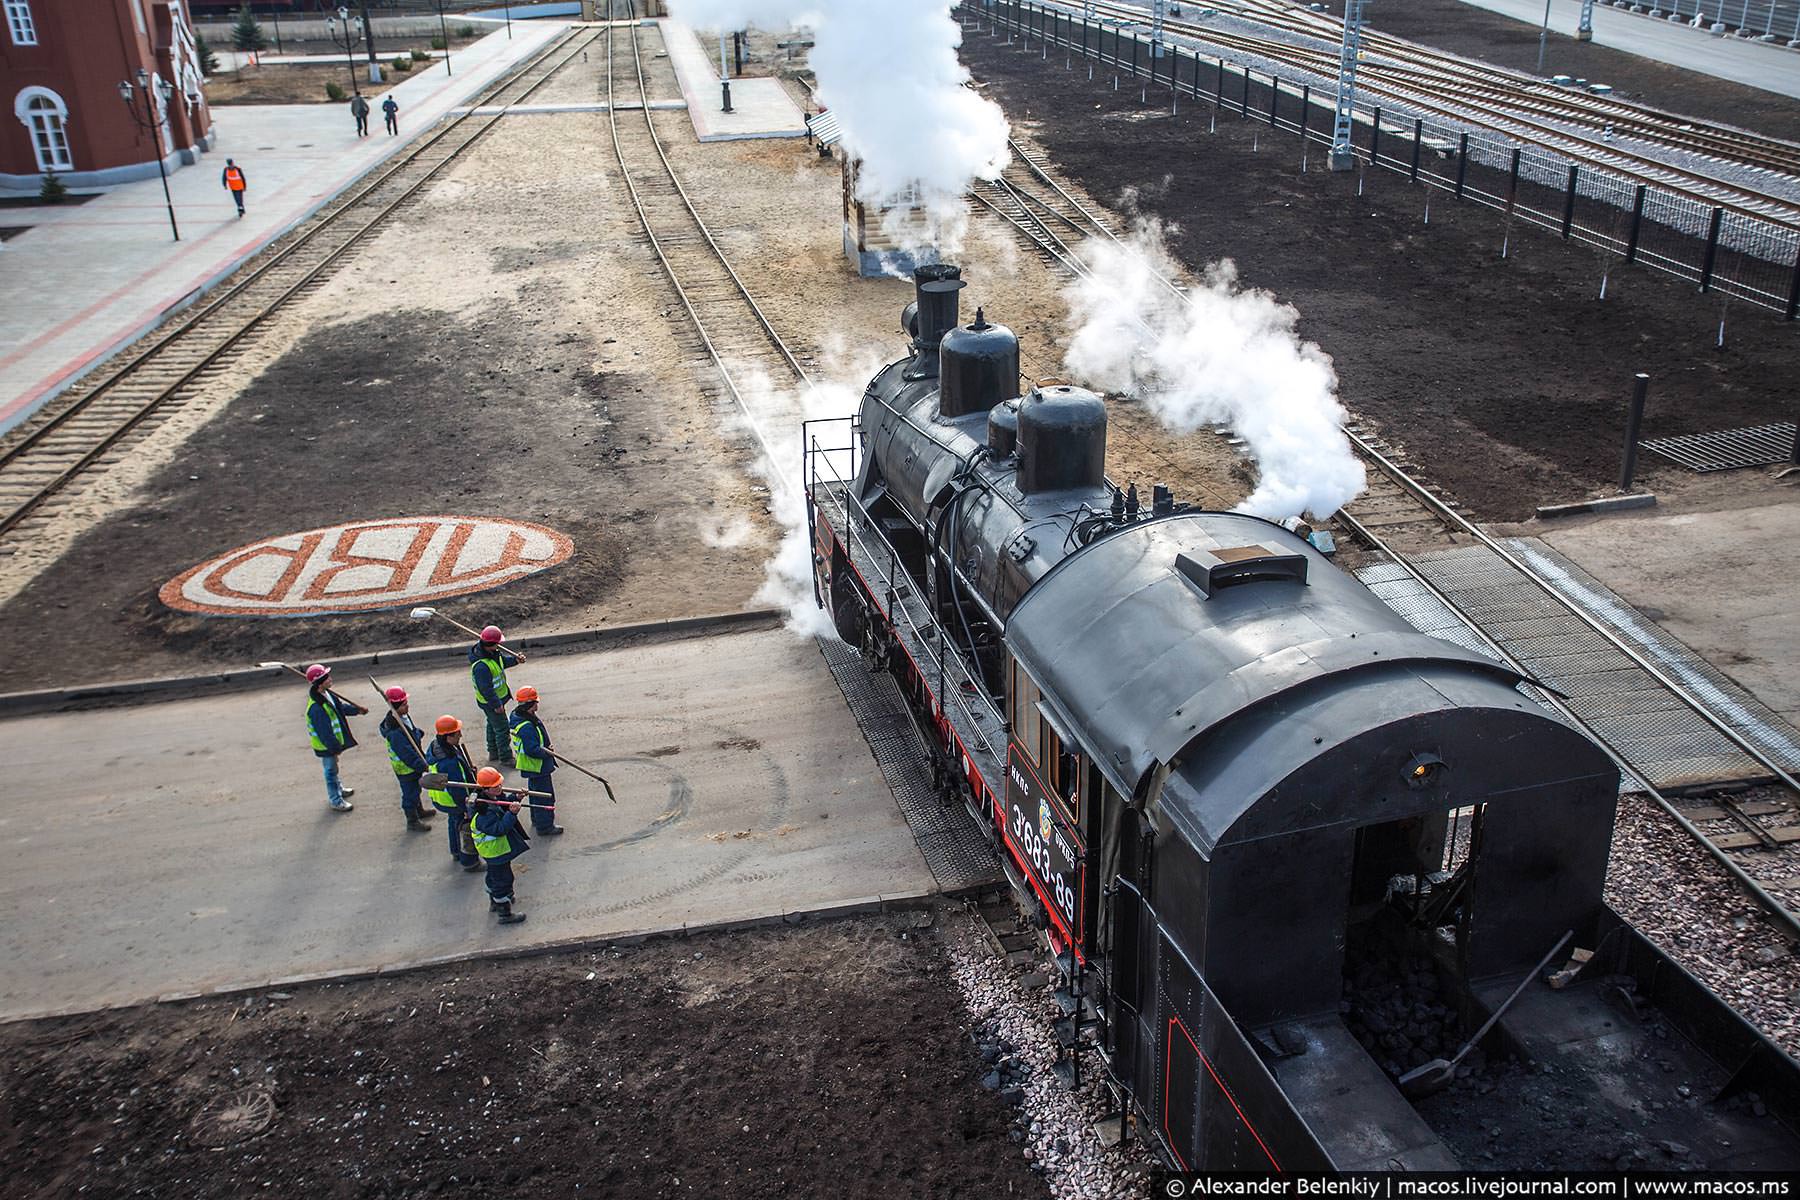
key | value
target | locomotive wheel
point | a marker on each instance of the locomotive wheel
(847, 612)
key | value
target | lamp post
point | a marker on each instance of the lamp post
(347, 41)
(368, 27)
(509, 20)
(163, 92)
(444, 36)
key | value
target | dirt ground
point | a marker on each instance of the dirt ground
(1506, 379)
(797, 1061)
(299, 83)
(1464, 29)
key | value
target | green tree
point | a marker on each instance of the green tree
(246, 35)
(52, 190)
(209, 62)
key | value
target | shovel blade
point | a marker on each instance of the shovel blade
(420, 614)
(1426, 1079)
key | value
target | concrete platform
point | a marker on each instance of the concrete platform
(87, 279)
(1722, 582)
(1771, 67)
(196, 851)
(760, 108)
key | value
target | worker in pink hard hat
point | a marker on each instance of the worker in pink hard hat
(328, 723)
(406, 753)
(488, 661)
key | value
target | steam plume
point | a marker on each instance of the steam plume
(1225, 355)
(888, 70)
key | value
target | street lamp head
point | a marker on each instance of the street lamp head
(125, 90)
(165, 89)
(143, 78)
(343, 14)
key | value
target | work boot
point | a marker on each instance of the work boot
(493, 905)
(472, 867)
(509, 917)
(417, 826)
(551, 831)
(425, 814)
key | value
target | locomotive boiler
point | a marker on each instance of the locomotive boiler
(1217, 766)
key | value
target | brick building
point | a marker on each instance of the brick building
(61, 63)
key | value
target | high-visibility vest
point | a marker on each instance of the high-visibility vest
(234, 179)
(526, 763)
(501, 692)
(489, 845)
(332, 715)
(402, 768)
(442, 797)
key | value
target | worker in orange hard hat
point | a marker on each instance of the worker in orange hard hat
(499, 838)
(532, 755)
(450, 764)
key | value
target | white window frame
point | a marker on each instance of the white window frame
(50, 142)
(19, 23)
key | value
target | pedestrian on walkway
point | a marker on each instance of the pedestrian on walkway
(499, 838)
(232, 180)
(328, 723)
(446, 757)
(531, 753)
(359, 108)
(390, 112)
(405, 751)
(487, 667)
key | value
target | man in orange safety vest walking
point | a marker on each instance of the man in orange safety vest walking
(232, 179)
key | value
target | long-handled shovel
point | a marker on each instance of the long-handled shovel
(433, 779)
(425, 614)
(595, 775)
(302, 674)
(1429, 1077)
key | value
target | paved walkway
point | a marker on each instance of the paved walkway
(89, 278)
(183, 846)
(1755, 64)
(760, 108)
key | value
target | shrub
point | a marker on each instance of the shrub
(465, 31)
(52, 190)
(334, 91)
(421, 56)
(209, 62)
(437, 43)
(401, 64)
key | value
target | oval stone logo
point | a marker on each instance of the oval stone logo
(366, 565)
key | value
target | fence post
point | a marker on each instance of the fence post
(1244, 100)
(1084, 29)
(1219, 87)
(1634, 420)
(1375, 140)
(1274, 98)
(1305, 110)
(1569, 201)
(1637, 223)
(1134, 45)
(1712, 250)
(1462, 165)
(1196, 77)
(1512, 183)
(1793, 305)
(1418, 140)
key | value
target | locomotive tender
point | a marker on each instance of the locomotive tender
(1213, 761)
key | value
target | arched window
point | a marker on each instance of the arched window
(43, 113)
(20, 24)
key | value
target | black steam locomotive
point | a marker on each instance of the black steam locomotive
(1219, 767)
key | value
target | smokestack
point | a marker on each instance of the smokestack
(936, 286)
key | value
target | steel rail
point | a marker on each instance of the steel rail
(1594, 153)
(140, 413)
(662, 257)
(1456, 520)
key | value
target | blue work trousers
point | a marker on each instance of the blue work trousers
(462, 842)
(499, 881)
(409, 794)
(542, 818)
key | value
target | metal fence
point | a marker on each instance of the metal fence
(1715, 248)
(1776, 20)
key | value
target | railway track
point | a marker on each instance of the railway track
(1679, 731)
(43, 465)
(1442, 87)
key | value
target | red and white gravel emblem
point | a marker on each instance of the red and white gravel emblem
(366, 565)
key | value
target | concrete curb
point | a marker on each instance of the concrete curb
(15, 704)
(1603, 505)
(860, 906)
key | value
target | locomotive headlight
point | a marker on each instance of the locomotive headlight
(1423, 770)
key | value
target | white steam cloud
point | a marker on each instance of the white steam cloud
(788, 582)
(1225, 355)
(888, 70)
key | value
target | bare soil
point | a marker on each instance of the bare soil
(298, 83)
(798, 1061)
(1506, 379)
(1475, 32)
